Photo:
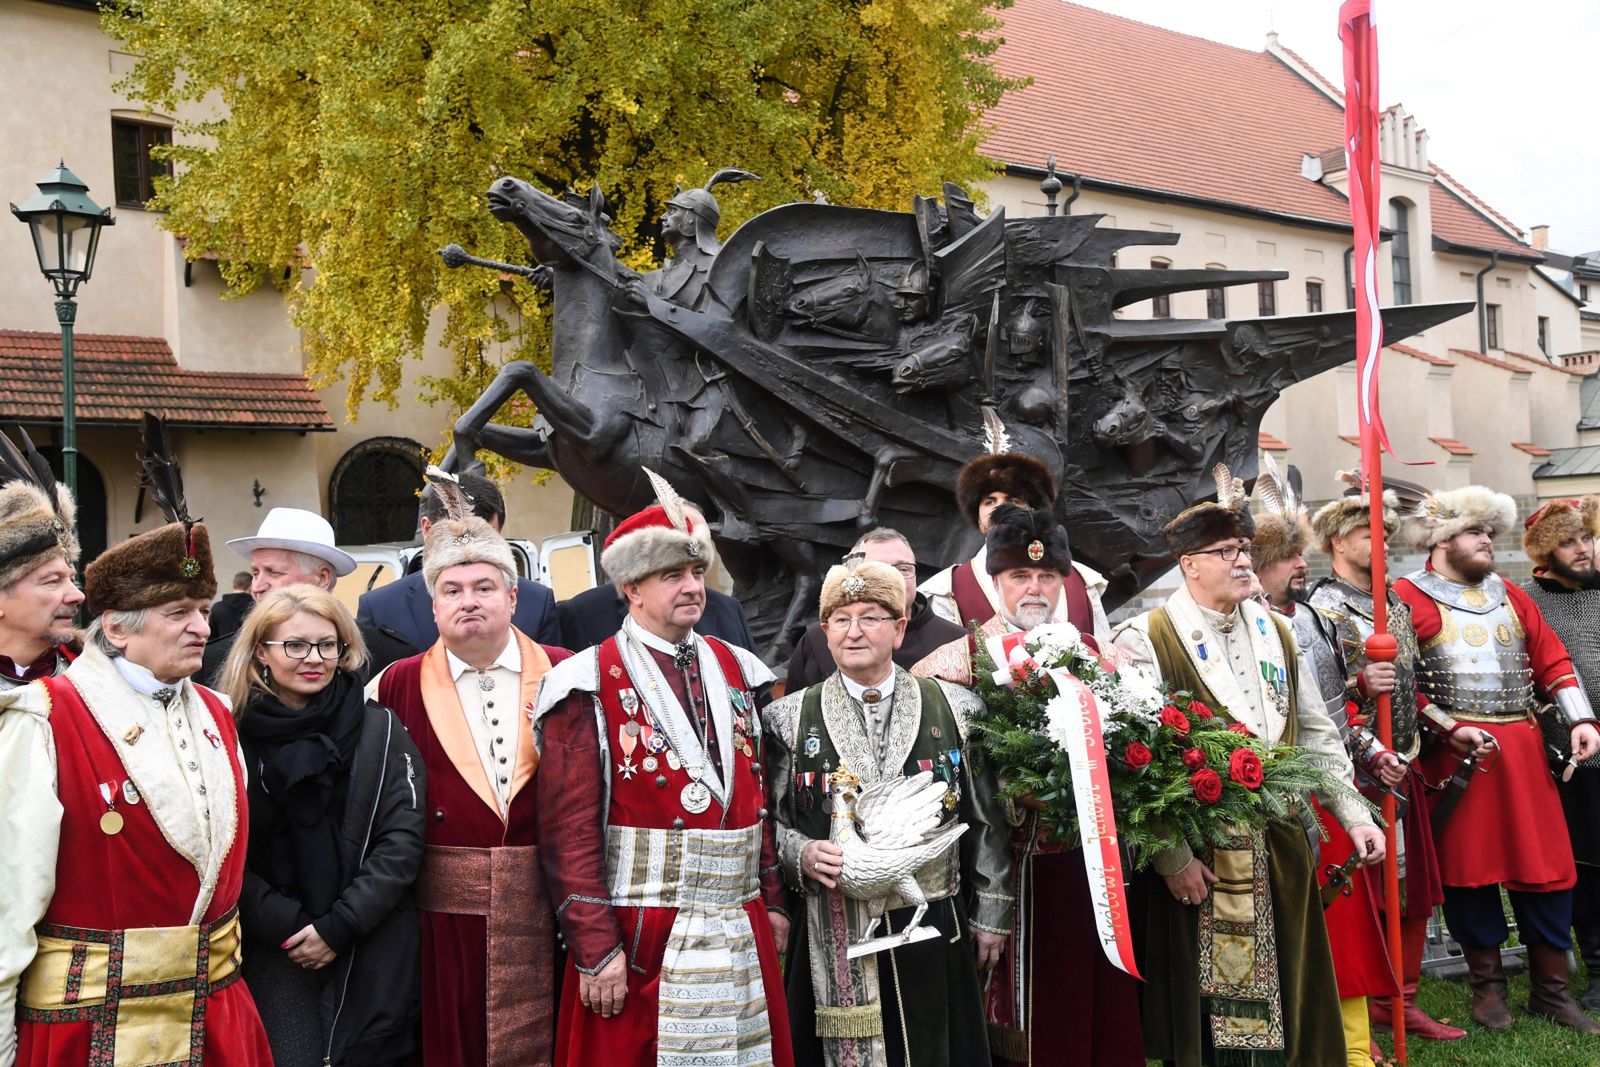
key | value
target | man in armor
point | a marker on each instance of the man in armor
(38, 548)
(1484, 649)
(1355, 934)
(1342, 608)
(1559, 538)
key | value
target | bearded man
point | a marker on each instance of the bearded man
(1230, 652)
(38, 548)
(1029, 559)
(1485, 652)
(1560, 540)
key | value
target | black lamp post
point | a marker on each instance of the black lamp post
(65, 225)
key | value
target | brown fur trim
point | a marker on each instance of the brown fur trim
(1276, 539)
(454, 542)
(652, 549)
(868, 582)
(1023, 537)
(1338, 517)
(1558, 522)
(148, 570)
(1019, 477)
(31, 531)
(1204, 525)
(1443, 514)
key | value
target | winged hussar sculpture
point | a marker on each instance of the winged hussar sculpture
(827, 370)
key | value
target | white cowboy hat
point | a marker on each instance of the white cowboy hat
(295, 530)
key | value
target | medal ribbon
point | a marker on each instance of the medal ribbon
(1097, 828)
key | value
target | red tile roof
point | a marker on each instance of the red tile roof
(1350, 439)
(1122, 101)
(1454, 447)
(1540, 361)
(1492, 361)
(1270, 443)
(118, 378)
(1417, 353)
(1530, 448)
(1460, 220)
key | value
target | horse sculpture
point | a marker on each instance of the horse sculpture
(832, 373)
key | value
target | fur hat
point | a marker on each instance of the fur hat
(1447, 512)
(1208, 522)
(1558, 522)
(1018, 476)
(157, 567)
(38, 519)
(1023, 537)
(454, 542)
(863, 582)
(1338, 517)
(1276, 539)
(662, 536)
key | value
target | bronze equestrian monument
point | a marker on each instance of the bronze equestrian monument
(831, 368)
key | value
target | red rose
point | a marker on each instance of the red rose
(1244, 767)
(1194, 759)
(1171, 716)
(1200, 711)
(1241, 729)
(1136, 755)
(1207, 786)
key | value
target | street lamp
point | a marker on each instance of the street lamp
(65, 225)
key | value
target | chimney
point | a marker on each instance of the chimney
(1541, 237)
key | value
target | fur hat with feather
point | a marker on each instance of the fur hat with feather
(1558, 522)
(460, 537)
(1281, 525)
(1208, 522)
(1447, 512)
(862, 581)
(662, 537)
(1340, 516)
(1022, 478)
(38, 519)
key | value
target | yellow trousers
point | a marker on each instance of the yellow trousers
(1357, 1034)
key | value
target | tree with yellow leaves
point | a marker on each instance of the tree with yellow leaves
(362, 135)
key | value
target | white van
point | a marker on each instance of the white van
(566, 562)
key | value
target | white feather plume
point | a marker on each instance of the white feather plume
(995, 438)
(1276, 492)
(457, 504)
(1230, 490)
(670, 501)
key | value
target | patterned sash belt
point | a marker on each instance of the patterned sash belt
(712, 1007)
(504, 886)
(144, 990)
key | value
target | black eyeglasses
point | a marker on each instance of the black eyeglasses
(327, 650)
(1227, 553)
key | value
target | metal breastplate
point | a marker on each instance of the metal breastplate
(1349, 610)
(1476, 667)
(1325, 662)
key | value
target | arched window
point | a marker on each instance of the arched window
(1400, 251)
(373, 492)
(91, 498)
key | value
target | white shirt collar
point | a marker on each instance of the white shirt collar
(510, 659)
(855, 689)
(140, 678)
(651, 640)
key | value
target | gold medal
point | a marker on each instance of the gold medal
(111, 823)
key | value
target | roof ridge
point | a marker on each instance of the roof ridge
(1305, 69)
(1473, 200)
(1162, 29)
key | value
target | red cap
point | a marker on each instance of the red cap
(652, 516)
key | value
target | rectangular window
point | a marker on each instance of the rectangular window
(1583, 292)
(1491, 320)
(1160, 306)
(131, 164)
(1544, 334)
(1313, 296)
(1400, 252)
(1267, 298)
(1216, 303)
(1349, 278)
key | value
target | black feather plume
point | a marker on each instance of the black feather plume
(27, 465)
(160, 470)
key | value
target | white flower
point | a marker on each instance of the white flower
(1054, 643)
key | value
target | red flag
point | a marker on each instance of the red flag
(1360, 38)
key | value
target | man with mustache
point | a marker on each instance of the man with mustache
(1028, 559)
(39, 593)
(1560, 540)
(1342, 606)
(123, 823)
(653, 822)
(1242, 662)
(967, 593)
(1485, 652)
(488, 941)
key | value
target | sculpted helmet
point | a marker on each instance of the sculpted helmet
(705, 209)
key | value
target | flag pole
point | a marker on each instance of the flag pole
(1358, 33)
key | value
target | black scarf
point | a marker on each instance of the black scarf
(302, 760)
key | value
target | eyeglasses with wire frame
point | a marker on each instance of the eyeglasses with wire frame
(840, 624)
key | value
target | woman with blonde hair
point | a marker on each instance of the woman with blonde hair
(336, 835)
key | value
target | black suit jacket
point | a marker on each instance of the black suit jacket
(596, 614)
(812, 661)
(406, 607)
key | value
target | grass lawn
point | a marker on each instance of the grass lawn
(1530, 1043)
